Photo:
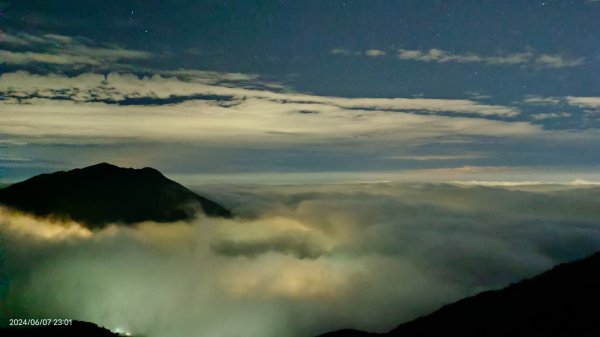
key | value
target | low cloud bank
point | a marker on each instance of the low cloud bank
(300, 260)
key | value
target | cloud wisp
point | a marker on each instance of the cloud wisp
(66, 52)
(435, 55)
(528, 58)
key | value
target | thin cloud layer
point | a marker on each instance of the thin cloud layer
(526, 58)
(120, 106)
(119, 86)
(65, 51)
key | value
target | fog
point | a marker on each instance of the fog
(296, 260)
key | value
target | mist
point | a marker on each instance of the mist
(296, 260)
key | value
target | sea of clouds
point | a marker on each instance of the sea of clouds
(296, 261)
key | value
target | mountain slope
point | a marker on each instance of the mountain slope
(104, 193)
(560, 302)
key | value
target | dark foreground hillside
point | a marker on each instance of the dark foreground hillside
(104, 193)
(564, 301)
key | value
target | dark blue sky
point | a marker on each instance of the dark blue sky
(541, 59)
(282, 38)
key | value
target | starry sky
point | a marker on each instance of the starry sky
(326, 126)
(303, 90)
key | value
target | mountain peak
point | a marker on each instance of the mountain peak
(104, 193)
(103, 165)
(110, 169)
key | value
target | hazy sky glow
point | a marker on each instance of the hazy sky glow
(300, 87)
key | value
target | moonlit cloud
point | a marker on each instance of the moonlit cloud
(66, 51)
(89, 108)
(298, 260)
(550, 115)
(539, 100)
(442, 56)
(21, 58)
(340, 51)
(119, 86)
(557, 61)
(437, 157)
(181, 109)
(26, 226)
(510, 59)
(254, 120)
(375, 53)
(527, 58)
(584, 102)
(436, 55)
(528, 183)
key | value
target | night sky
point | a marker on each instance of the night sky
(303, 87)
(381, 158)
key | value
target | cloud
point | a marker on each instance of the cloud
(375, 53)
(124, 106)
(540, 100)
(340, 51)
(526, 183)
(510, 59)
(44, 40)
(22, 58)
(299, 260)
(543, 61)
(436, 55)
(478, 95)
(14, 159)
(20, 40)
(470, 169)
(293, 243)
(65, 51)
(557, 61)
(210, 77)
(584, 102)
(549, 115)
(437, 157)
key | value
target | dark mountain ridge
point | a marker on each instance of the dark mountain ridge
(560, 302)
(104, 193)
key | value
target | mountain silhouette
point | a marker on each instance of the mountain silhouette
(562, 302)
(104, 193)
